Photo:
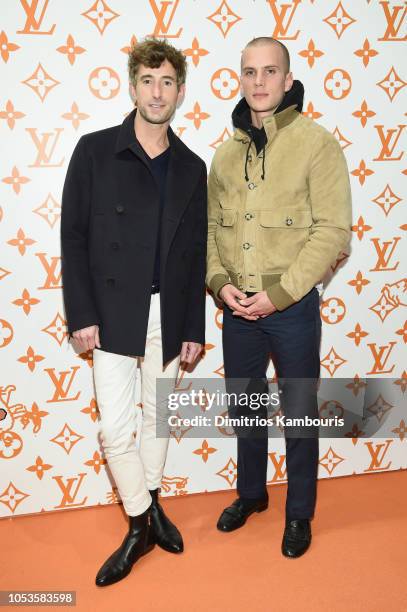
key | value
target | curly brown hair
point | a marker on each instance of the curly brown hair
(152, 52)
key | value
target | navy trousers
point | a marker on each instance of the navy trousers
(292, 339)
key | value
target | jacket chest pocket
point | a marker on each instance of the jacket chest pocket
(282, 234)
(226, 236)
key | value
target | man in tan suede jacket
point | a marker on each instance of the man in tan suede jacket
(279, 214)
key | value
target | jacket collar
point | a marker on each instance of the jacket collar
(126, 136)
(271, 124)
(280, 120)
(127, 139)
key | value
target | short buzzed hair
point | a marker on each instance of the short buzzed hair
(269, 40)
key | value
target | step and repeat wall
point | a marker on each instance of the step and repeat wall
(63, 69)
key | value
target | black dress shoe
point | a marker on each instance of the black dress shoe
(164, 532)
(297, 538)
(236, 515)
(137, 542)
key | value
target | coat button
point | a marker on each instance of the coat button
(251, 186)
(110, 281)
(246, 246)
(288, 221)
(248, 216)
(115, 245)
(119, 209)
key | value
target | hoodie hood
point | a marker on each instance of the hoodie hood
(241, 117)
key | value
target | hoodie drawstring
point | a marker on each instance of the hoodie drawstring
(263, 169)
(263, 164)
(246, 176)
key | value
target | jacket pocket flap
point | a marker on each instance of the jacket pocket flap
(279, 218)
(227, 217)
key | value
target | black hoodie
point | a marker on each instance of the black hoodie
(241, 116)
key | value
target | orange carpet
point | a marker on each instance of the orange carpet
(357, 559)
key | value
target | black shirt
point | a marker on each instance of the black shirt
(159, 168)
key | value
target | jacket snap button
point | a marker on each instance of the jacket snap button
(251, 185)
(288, 221)
(248, 216)
(115, 245)
(246, 246)
(119, 209)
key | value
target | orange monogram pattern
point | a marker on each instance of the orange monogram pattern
(66, 75)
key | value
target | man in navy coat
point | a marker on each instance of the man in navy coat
(133, 241)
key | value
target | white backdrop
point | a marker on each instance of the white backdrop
(63, 73)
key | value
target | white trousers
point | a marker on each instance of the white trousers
(135, 470)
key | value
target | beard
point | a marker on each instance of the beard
(158, 118)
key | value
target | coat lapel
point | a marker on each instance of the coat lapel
(184, 170)
(183, 174)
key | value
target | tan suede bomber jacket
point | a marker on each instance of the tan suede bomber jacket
(279, 233)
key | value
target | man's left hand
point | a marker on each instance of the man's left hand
(190, 351)
(258, 304)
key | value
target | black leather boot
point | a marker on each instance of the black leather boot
(137, 542)
(165, 534)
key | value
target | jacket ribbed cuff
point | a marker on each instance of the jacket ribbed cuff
(217, 282)
(279, 296)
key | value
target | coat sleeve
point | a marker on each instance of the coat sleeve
(216, 276)
(78, 297)
(194, 329)
(330, 196)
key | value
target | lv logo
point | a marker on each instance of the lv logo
(283, 17)
(395, 19)
(70, 490)
(33, 23)
(164, 21)
(389, 142)
(45, 146)
(377, 453)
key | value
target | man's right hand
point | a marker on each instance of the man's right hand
(230, 295)
(87, 338)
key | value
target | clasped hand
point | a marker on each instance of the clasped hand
(250, 308)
